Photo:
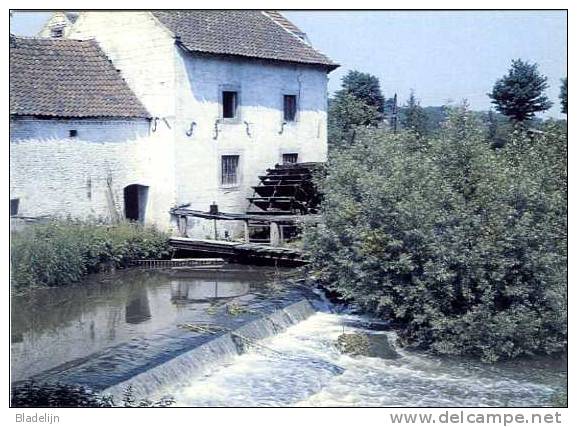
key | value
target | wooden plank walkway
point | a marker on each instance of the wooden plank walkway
(178, 262)
(239, 250)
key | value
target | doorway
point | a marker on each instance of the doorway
(135, 199)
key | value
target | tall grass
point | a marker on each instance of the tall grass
(60, 252)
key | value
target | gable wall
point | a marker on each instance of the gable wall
(141, 48)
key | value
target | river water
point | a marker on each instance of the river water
(127, 328)
(302, 367)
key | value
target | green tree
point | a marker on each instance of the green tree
(563, 95)
(346, 112)
(365, 87)
(414, 117)
(520, 93)
(463, 246)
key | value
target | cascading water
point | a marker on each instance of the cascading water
(214, 352)
(302, 367)
(233, 337)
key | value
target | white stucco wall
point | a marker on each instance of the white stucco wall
(141, 48)
(256, 136)
(53, 174)
(179, 88)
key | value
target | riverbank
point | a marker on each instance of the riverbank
(171, 332)
(61, 253)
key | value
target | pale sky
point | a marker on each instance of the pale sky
(442, 55)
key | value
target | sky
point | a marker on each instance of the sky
(444, 56)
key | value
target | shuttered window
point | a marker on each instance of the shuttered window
(229, 170)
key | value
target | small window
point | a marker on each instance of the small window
(229, 104)
(229, 170)
(290, 158)
(290, 108)
(57, 32)
(14, 205)
(72, 133)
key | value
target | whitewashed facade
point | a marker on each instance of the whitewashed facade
(178, 154)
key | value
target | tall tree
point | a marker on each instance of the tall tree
(414, 116)
(346, 111)
(520, 93)
(563, 95)
(366, 87)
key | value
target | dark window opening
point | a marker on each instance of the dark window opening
(57, 32)
(14, 205)
(290, 108)
(290, 158)
(72, 133)
(229, 170)
(229, 104)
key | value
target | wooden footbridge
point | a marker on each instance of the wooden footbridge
(284, 199)
(239, 251)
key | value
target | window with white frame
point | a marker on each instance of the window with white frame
(230, 170)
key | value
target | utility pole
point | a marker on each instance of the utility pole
(394, 115)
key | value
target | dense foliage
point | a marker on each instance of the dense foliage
(346, 112)
(563, 95)
(463, 245)
(520, 93)
(414, 116)
(59, 253)
(48, 395)
(359, 102)
(365, 87)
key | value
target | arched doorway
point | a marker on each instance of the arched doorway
(135, 200)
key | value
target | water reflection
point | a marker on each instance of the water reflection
(203, 290)
(58, 325)
(138, 308)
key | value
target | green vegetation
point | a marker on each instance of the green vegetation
(563, 95)
(520, 94)
(463, 245)
(60, 253)
(48, 395)
(365, 87)
(414, 116)
(358, 103)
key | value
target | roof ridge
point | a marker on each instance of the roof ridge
(308, 44)
(283, 21)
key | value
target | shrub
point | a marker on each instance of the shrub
(59, 253)
(462, 245)
(49, 395)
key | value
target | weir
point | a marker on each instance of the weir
(213, 352)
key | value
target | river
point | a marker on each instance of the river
(131, 327)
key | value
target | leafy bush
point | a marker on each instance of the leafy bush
(462, 245)
(48, 395)
(62, 252)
